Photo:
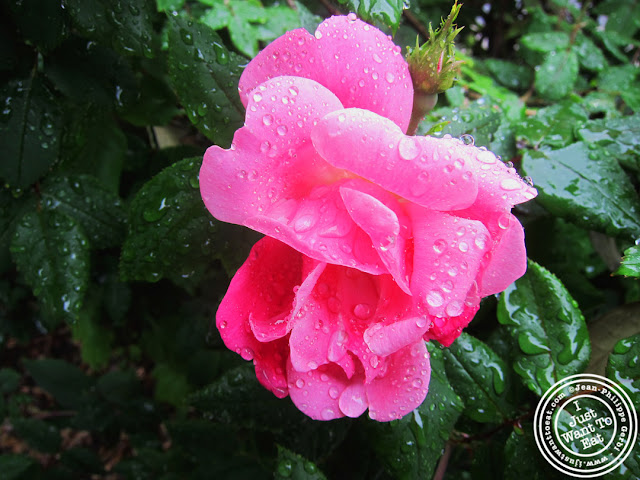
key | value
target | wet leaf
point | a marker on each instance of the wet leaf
(523, 459)
(292, 466)
(386, 13)
(586, 187)
(125, 26)
(86, 200)
(557, 75)
(411, 447)
(66, 382)
(52, 253)
(630, 266)
(624, 367)
(618, 136)
(553, 126)
(205, 76)
(540, 315)
(14, 466)
(39, 435)
(546, 41)
(621, 81)
(9, 380)
(510, 74)
(172, 235)
(41, 22)
(30, 129)
(11, 211)
(589, 55)
(481, 378)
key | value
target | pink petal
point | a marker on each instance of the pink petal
(246, 302)
(357, 62)
(316, 393)
(271, 159)
(447, 257)
(446, 330)
(353, 400)
(313, 327)
(500, 187)
(270, 366)
(387, 339)
(430, 172)
(508, 258)
(405, 385)
(383, 227)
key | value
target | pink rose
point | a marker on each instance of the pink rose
(322, 164)
(336, 339)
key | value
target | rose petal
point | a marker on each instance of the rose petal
(387, 339)
(316, 393)
(356, 61)
(404, 386)
(383, 227)
(271, 159)
(353, 400)
(270, 366)
(446, 330)
(257, 275)
(508, 258)
(428, 171)
(446, 260)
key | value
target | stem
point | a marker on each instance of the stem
(422, 104)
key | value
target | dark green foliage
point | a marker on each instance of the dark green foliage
(112, 268)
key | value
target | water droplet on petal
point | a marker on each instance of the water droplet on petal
(439, 246)
(300, 383)
(408, 148)
(454, 308)
(257, 97)
(267, 119)
(362, 311)
(486, 156)
(510, 184)
(390, 77)
(282, 130)
(434, 298)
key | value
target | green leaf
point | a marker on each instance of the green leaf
(41, 22)
(172, 235)
(546, 41)
(621, 80)
(88, 73)
(30, 128)
(589, 55)
(52, 252)
(94, 339)
(624, 368)
(480, 119)
(510, 74)
(280, 19)
(99, 138)
(237, 398)
(557, 75)
(540, 315)
(9, 380)
(630, 266)
(156, 104)
(553, 126)
(481, 378)
(88, 202)
(171, 386)
(14, 466)
(11, 211)
(125, 26)
(618, 136)
(292, 466)
(585, 186)
(523, 459)
(205, 76)
(379, 12)
(39, 435)
(66, 382)
(169, 5)
(410, 447)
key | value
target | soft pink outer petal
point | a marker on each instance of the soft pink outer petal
(405, 385)
(262, 294)
(508, 258)
(446, 330)
(387, 339)
(271, 158)
(500, 187)
(353, 400)
(384, 228)
(431, 172)
(357, 62)
(447, 258)
(316, 392)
